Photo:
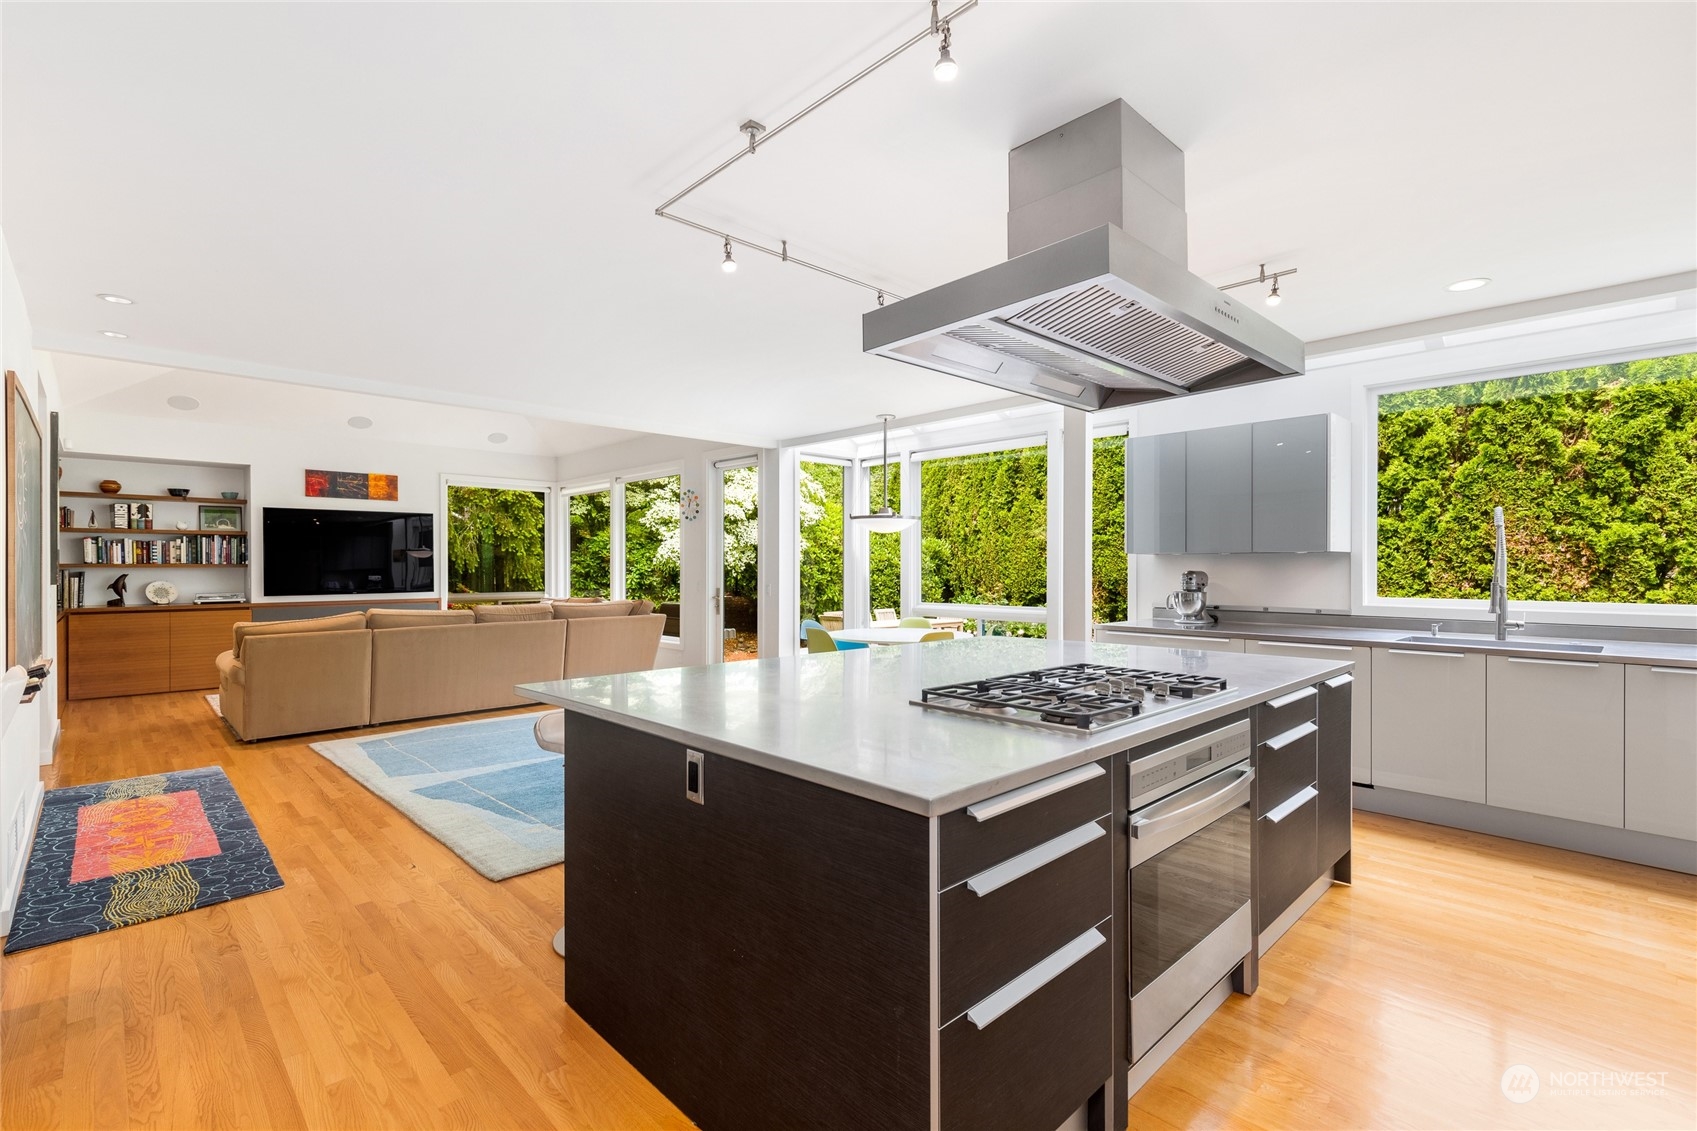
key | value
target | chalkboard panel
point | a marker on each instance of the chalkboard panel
(24, 526)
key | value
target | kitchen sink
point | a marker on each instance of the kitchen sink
(1530, 645)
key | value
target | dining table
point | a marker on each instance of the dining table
(888, 635)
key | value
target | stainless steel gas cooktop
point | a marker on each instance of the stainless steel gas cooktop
(1072, 697)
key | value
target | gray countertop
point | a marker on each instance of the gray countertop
(845, 719)
(1616, 651)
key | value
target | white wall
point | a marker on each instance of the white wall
(28, 731)
(277, 460)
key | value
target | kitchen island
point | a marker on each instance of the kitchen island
(795, 898)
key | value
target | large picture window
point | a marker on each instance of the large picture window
(589, 546)
(497, 540)
(1595, 469)
(984, 528)
(651, 543)
(820, 510)
(884, 556)
(1108, 563)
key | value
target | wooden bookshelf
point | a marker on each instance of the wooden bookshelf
(150, 607)
(157, 531)
(131, 567)
(153, 498)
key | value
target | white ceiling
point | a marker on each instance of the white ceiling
(135, 391)
(455, 202)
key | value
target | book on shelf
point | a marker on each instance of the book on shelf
(184, 549)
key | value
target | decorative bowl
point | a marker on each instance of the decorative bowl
(178, 492)
(111, 486)
(161, 592)
(230, 494)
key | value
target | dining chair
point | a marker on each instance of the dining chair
(808, 624)
(879, 616)
(915, 622)
(930, 636)
(818, 640)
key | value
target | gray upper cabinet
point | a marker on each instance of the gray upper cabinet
(1155, 492)
(1288, 482)
(1275, 486)
(1216, 492)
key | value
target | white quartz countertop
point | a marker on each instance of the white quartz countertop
(846, 719)
(1519, 644)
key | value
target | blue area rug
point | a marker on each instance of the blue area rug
(484, 789)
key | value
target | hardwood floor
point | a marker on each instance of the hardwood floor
(388, 985)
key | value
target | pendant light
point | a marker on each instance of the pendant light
(884, 520)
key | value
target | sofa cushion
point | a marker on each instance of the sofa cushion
(641, 608)
(563, 611)
(540, 610)
(416, 618)
(581, 601)
(343, 622)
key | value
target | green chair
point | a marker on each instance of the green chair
(915, 622)
(930, 636)
(818, 640)
(806, 625)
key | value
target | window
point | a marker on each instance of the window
(1031, 630)
(1107, 529)
(884, 565)
(984, 528)
(739, 489)
(589, 550)
(821, 513)
(496, 540)
(651, 544)
(1595, 469)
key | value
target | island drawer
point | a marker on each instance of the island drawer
(1007, 918)
(999, 828)
(1282, 712)
(1028, 1055)
(1285, 764)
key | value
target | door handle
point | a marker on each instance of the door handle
(1553, 663)
(1185, 805)
(1426, 652)
(1316, 647)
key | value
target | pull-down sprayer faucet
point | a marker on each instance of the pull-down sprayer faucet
(1499, 578)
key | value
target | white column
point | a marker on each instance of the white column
(1069, 529)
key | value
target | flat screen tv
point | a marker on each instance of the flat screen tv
(346, 553)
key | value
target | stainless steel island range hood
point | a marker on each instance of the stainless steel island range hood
(1094, 307)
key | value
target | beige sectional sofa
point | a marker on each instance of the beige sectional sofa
(356, 669)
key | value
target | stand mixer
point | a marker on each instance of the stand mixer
(1190, 600)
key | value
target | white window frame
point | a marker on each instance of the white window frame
(1098, 430)
(715, 519)
(616, 533)
(565, 496)
(851, 569)
(550, 529)
(1366, 542)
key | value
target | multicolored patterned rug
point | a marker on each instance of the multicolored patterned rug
(118, 853)
(484, 788)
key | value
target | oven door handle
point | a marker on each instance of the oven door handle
(1195, 803)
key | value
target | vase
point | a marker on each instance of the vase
(111, 486)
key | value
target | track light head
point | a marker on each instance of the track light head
(946, 68)
(1273, 296)
(729, 266)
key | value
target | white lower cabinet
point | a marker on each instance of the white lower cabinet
(1361, 714)
(1554, 738)
(1178, 639)
(1661, 751)
(1429, 722)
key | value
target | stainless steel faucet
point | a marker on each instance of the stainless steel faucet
(1499, 579)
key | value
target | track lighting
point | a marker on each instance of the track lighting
(945, 68)
(884, 520)
(1265, 276)
(729, 266)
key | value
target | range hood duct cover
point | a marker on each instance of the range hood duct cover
(1108, 315)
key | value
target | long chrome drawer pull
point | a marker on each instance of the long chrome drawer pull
(1303, 796)
(1280, 741)
(1294, 644)
(1132, 638)
(1036, 791)
(1194, 803)
(1340, 681)
(1029, 861)
(1034, 979)
(1427, 652)
(1557, 663)
(1294, 697)
(1675, 671)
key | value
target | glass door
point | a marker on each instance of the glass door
(736, 596)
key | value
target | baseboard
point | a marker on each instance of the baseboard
(1670, 853)
(53, 747)
(15, 882)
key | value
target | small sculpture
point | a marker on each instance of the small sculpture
(119, 584)
(91, 523)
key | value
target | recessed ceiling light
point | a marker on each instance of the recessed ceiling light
(114, 334)
(187, 404)
(359, 422)
(119, 299)
(1467, 284)
(497, 437)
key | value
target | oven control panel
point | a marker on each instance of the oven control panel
(1152, 771)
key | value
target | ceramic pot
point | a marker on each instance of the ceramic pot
(111, 486)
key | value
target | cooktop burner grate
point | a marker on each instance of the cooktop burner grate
(1073, 696)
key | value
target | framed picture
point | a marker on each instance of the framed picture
(25, 527)
(221, 518)
(351, 485)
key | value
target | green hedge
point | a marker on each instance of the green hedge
(1595, 469)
